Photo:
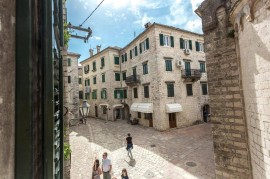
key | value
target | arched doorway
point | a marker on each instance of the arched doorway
(206, 113)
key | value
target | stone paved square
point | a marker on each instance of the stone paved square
(176, 153)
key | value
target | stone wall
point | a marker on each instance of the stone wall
(252, 25)
(7, 88)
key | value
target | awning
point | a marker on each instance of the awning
(142, 107)
(134, 107)
(118, 106)
(104, 105)
(172, 108)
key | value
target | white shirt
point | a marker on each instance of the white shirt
(106, 165)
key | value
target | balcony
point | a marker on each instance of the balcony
(132, 80)
(191, 74)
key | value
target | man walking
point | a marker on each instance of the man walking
(129, 145)
(106, 166)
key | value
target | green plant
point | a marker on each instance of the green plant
(66, 35)
(67, 151)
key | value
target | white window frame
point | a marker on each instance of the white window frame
(144, 46)
(186, 44)
(201, 48)
(167, 40)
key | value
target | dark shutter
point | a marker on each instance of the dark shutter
(125, 56)
(116, 60)
(88, 82)
(161, 40)
(115, 94)
(69, 62)
(190, 44)
(130, 54)
(140, 47)
(182, 43)
(136, 51)
(69, 79)
(147, 43)
(172, 41)
(85, 82)
(197, 46)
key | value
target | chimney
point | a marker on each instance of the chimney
(98, 48)
(148, 24)
(91, 52)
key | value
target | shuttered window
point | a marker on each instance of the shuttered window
(124, 74)
(103, 77)
(69, 79)
(204, 89)
(80, 80)
(125, 93)
(117, 76)
(69, 62)
(182, 43)
(118, 94)
(125, 56)
(168, 64)
(190, 44)
(130, 54)
(95, 80)
(94, 66)
(94, 94)
(202, 67)
(146, 91)
(161, 42)
(145, 68)
(103, 93)
(170, 89)
(116, 60)
(172, 41)
(136, 51)
(189, 90)
(102, 62)
(147, 43)
(135, 92)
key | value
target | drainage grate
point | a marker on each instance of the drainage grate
(153, 145)
(191, 164)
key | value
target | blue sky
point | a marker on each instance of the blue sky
(115, 21)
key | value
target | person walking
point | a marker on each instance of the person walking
(124, 174)
(96, 170)
(129, 145)
(106, 166)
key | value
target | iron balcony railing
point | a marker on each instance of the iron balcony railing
(132, 79)
(191, 73)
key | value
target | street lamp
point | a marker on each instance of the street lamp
(84, 109)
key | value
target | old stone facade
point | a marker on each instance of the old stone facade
(7, 88)
(73, 84)
(237, 44)
(100, 86)
(159, 77)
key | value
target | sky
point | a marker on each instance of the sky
(116, 22)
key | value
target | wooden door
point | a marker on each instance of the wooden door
(150, 122)
(172, 120)
(96, 111)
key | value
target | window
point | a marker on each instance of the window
(86, 69)
(125, 93)
(95, 80)
(123, 58)
(135, 92)
(80, 80)
(69, 79)
(146, 91)
(124, 74)
(80, 94)
(187, 68)
(104, 109)
(204, 89)
(94, 94)
(130, 54)
(103, 93)
(118, 94)
(136, 51)
(168, 64)
(94, 66)
(145, 68)
(103, 77)
(139, 115)
(87, 95)
(189, 90)
(170, 89)
(102, 62)
(116, 60)
(144, 45)
(147, 115)
(202, 67)
(69, 62)
(117, 76)
(87, 82)
(166, 40)
(185, 44)
(199, 46)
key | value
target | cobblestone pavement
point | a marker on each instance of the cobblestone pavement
(164, 155)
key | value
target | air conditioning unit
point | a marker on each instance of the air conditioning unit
(187, 51)
(179, 63)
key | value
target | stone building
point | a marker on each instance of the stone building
(100, 87)
(237, 45)
(80, 71)
(72, 84)
(159, 78)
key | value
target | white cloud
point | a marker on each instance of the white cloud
(96, 38)
(143, 20)
(195, 4)
(194, 25)
(177, 14)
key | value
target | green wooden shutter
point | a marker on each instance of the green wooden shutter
(161, 40)
(116, 60)
(102, 62)
(125, 56)
(88, 82)
(197, 46)
(69, 62)
(103, 77)
(172, 41)
(105, 94)
(190, 44)
(121, 94)
(130, 54)
(147, 43)
(182, 43)
(115, 94)
(85, 82)
(101, 94)
(136, 51)
(140, 47)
